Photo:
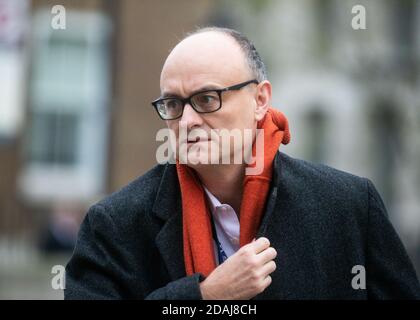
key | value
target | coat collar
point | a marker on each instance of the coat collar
(168, 196)
(168, 207)
(271, 197)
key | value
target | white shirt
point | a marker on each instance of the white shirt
(227, 225)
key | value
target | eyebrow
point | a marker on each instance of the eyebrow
(204, 88)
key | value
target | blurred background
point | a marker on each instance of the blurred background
(76, 122)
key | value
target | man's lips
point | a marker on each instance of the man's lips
(198, 139)
(190, 141)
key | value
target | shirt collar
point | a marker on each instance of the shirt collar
(214, 202)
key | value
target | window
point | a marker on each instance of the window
(54, 138)
(66, 138)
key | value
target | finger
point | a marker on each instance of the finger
(266, 282)
(260, 245)
(267, 255)
(268, 268)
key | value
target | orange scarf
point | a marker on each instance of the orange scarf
(197, 231)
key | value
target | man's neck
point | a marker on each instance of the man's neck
(225, 182)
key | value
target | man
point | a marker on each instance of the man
(202, 229)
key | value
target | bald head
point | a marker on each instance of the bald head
(205, 58)
(252, 56)
(216, 52)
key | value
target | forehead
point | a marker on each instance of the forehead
(203, 60)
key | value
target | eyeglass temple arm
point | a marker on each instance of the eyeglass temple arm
(240, 85)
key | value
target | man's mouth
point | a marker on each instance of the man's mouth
(193, 140)
(196, 139)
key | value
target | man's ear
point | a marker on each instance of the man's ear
(262, 99)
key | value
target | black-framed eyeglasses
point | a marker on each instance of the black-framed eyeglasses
(205, 101)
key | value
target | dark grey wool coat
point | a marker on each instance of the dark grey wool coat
(321, 221)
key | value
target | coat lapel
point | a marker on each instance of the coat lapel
(168, 207)
(271, 199)
(284, 225)
(275, 226)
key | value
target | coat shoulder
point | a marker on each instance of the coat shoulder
(319, 185)
(134, 199)
(309, 174)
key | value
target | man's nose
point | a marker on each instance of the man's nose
(190, 117)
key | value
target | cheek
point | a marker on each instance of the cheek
(243, 119)
(238, 115)
(173, 126)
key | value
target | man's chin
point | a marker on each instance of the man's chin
(193, 160)
(194, 155)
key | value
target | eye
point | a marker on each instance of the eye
(171, 104)
(208, 98)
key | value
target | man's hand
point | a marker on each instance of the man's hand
(243, 275)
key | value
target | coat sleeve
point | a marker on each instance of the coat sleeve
(390, 273)
(97, 269)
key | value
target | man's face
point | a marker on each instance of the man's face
(209, 60)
